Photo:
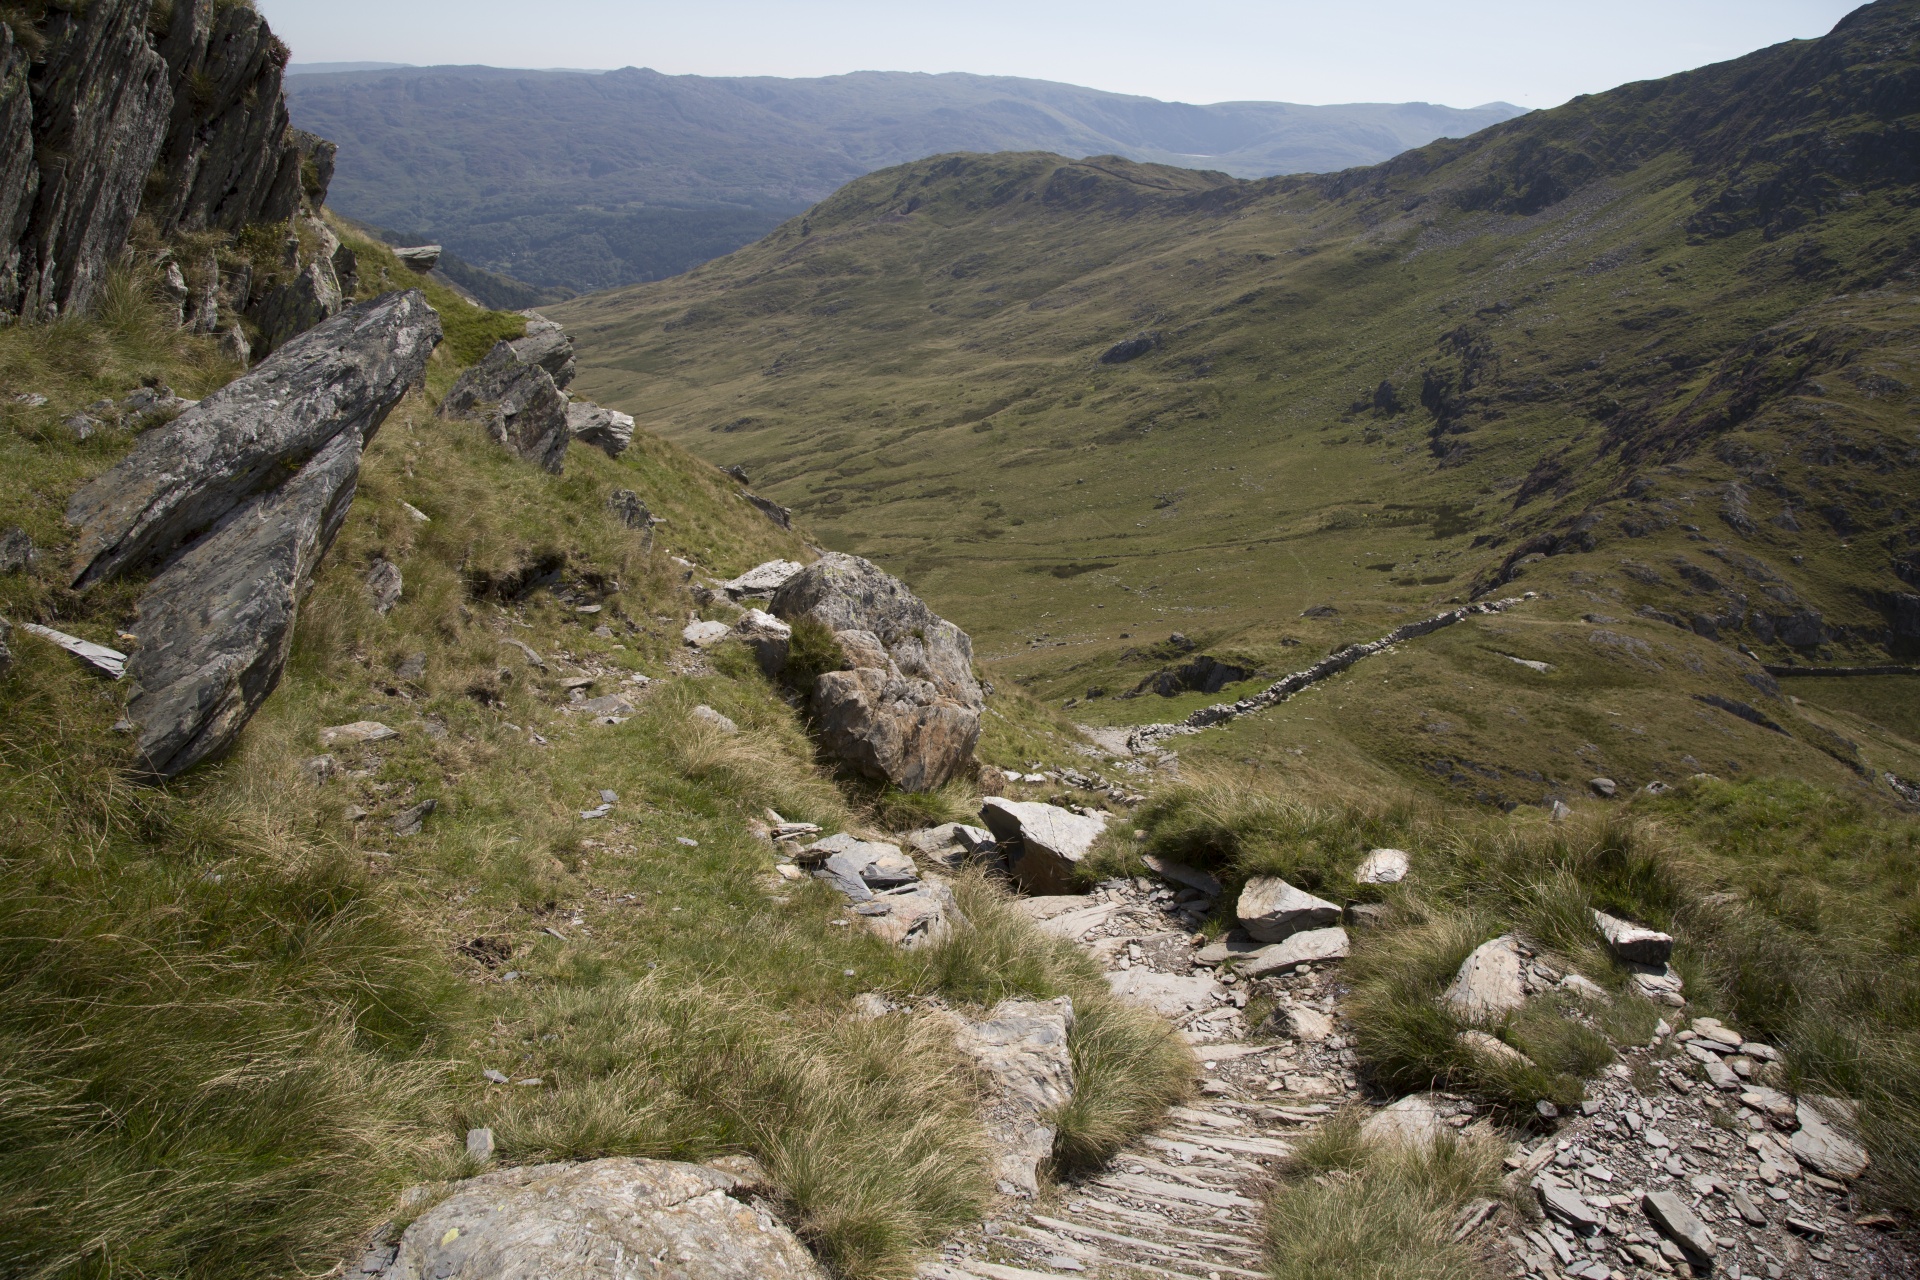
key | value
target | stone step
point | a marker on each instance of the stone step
(1147, 1218)
(1219, 1142)
(1133, 1242)
(1140, 1185)
(1210, 1119)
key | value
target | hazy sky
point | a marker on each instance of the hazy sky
(1536, 53)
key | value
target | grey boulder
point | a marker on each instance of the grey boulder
(1383, 866)
(908, 711)
(339, 380)
(762, 580)
(605, 429)
(1047, 843)
(1272, 910)
(1412, 1122)
(523, 410)
(602, 1220)
(216, 622)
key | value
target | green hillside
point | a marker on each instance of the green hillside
(583, 181)
(1649, 355)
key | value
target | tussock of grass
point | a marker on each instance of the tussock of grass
(1349, 1210)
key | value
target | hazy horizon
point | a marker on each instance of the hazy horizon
(1472, 54)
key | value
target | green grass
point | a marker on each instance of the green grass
(237, 1020)
(1346, 1209)
(925, 389)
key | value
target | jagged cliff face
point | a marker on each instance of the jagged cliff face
(114, 109)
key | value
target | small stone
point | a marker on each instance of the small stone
(16, 551)
(1490, 981)
(1413, 1121)
(1747, 1209)
(1557, 811)
(704, 635)
(360, 731)
(412, 668)
(494, 1076)
(480, 1144)
(1497, 1051)
(321, 769)
(1586, 988)
(1271, 910)
(1668, 1212)
(710, 716)
(1605, 788)
(384, 585)
(1821, 1147)
(1383, 866)
(1634, 943)
(1563, 1204)
(409, 821)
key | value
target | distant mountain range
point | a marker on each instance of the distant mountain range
(571, 182)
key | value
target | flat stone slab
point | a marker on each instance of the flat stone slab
(1169, 994)
(1676, 1221)
(595, 1221)
(1818, 1145)
(1308, 947)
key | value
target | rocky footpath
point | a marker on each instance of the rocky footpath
(235, 501)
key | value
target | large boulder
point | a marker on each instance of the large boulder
(216, 622)
(1045, 842)
(338, 380)
(1272, 910)
(1021, 1049)
(522, 408)
(602, 1220)
(908, 710)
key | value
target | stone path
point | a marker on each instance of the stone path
(1186, 1199)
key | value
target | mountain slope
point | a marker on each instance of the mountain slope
(1649, 353)
(587, 181)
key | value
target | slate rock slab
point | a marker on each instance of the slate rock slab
(1021, 1049)
(339, 380)
(1634, 943)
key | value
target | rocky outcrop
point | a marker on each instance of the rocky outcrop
(606, 429)
(19, 176)
(602, 1220)
(189, 126)
(762, 580)
(517, 400)
(908, 710)
(100, 99)
(885, 890)
(238, 499)
(230, 157)
(420, 257)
